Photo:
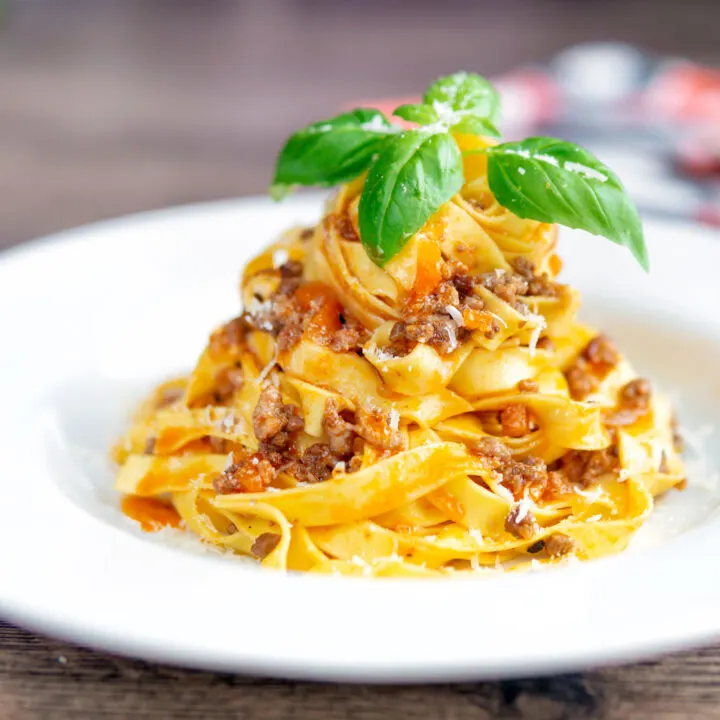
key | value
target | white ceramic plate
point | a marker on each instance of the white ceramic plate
(92, 318)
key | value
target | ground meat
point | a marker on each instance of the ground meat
(251, 474)
(508, 286)
(558, 545)
(523, 475)
(633, 403)
(517, 421)
(537, 284)
(520, 476)
(379, 428)
(264, 544)
(545, 343)
(444, 318)
(291, 269)
(492, 449)
(601, 353)
(316, 465)
(584, 467)
(581, 382)
(418, 330)
(342, 449)
(528, 386)
(344, 227)
(439, 331)
(290, 334)
(524, 267)
(591, 366)
(150, 445)
(273, 422)
(521, 523)
(350, 337)
(557, 484)
(340, 432)
(228, 337)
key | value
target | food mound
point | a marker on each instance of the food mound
(443, 413)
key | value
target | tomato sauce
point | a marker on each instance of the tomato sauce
(150, 513)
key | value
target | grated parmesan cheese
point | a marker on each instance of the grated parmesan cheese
(280, 257)
(455, 314)
(523, 508)
(394, 419)
(537, 331)
(266, 370)
(227, 424)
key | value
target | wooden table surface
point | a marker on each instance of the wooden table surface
(111, 106)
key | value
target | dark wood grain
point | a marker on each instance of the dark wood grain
(48, 680)
(114, 106)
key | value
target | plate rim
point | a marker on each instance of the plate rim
(15, 608)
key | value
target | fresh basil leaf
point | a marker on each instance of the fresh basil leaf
(414, 175)
(333, 151)
(420, 114)
(558, 182)
(464, 92)
(474, 125)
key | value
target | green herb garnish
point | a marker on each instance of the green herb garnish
(412, 173)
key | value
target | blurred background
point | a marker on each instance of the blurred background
(115, 106)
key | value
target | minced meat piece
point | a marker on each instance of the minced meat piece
(316, 465)
(581, 382)
(529, 473)
(558, 545)
(601, 353)
(228, 337)
(527, 386)
(521, 523)
(591, 366)
(493, 449)
(517, 421)
(439, 331)
(537, 284)
(251, 474)
(633, 403)
(291, 269)
(340, 432)
(419, 330)
(274, 422)
(585, 467)
(545, 343)
(264, 544)
(345, 228)
(379, 428)
(350, 337)
(508, 286)
(520, 475)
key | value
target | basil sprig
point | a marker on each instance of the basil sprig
(412, 173)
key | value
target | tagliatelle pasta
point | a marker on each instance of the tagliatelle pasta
(444, 413)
